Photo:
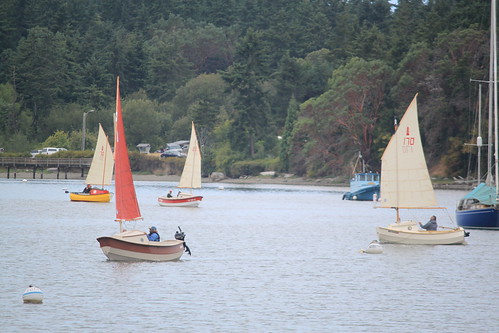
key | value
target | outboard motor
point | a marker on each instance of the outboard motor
(180, 235)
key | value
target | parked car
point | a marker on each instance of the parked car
(173, 150)
(35, 152)
(51, 150)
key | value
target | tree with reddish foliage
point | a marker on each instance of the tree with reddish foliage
(344, 118)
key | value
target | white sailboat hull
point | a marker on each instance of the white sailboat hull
(182, 200)
(408, 232)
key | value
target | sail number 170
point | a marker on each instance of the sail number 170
(408, 144)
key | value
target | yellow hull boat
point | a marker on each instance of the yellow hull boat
(100, 196)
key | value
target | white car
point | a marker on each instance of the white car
(50, 150)
(35, 152)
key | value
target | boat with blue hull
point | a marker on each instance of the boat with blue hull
(363, 187)
(479, 209)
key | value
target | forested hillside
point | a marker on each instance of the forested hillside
(302, 85)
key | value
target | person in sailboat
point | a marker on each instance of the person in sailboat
(431, 225)
(153, 235)
(169, 195)
(87, 189)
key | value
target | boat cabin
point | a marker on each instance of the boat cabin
(366, 177)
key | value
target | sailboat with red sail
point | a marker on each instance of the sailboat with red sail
(132, 245)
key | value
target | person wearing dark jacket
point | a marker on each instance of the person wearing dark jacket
(431, 225)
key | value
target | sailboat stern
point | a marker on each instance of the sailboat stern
(408, 232)
(133, 245)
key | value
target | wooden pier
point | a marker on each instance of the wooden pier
(61, 164)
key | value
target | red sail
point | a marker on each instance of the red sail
(127, 207)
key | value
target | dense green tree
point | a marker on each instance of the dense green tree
(204, 99)
(316, 69)
(287, 78)
(11, 22)
(18, 142)
(166, 67)
(59, 139)
(10, 110)
(287, 135)
(40, 71)
(408, 27)
(207, 47)
(143, 123)
(250, 115)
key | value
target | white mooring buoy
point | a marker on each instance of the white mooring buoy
(33, 295)
(373, 248)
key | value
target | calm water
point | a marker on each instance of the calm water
(264, 259)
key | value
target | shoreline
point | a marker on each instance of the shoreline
(173, 178)
(269, 180)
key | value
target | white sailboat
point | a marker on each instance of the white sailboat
(406, 184)
(190, 179)
(99, 174)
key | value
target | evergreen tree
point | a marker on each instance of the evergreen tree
(40, 71)
(285, 145)
(250, 118)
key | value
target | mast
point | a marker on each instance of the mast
(479, 142)
(488, 180)
(493, 33)
(395, 125)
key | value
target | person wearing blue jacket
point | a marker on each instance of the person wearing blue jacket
(431, 225)
(153, 235)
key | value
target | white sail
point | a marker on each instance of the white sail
(191, 175)
(405, 181)
(101, 170)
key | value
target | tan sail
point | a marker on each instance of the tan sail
(101, 170)
(405, 181)
(191, 175)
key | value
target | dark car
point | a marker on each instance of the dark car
(172, 153)
(173, 150)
